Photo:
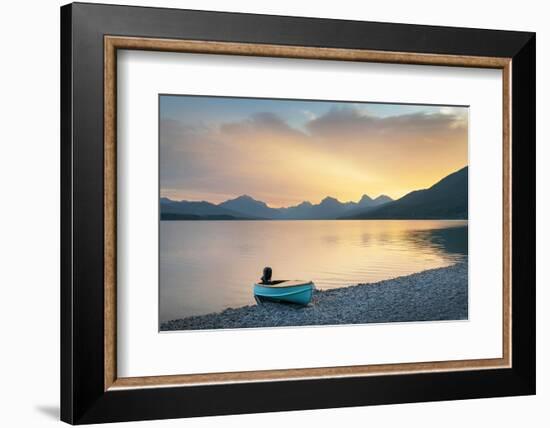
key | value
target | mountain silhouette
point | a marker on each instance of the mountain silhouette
(192, 210)
(300, 211)
(382, 199)
(246, 207)
(366, 204)
(249, 206)
(446, 199)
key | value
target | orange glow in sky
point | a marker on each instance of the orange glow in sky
(284, 152)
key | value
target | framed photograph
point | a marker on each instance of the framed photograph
(266, 213)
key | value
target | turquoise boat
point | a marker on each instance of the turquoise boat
(287, 291)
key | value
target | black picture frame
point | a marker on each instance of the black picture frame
(83, 398)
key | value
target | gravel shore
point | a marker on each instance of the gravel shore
(435, 294)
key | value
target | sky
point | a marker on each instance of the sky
(284, 152)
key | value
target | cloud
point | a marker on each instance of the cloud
(309, 114)
(459, 116)
(356, 123)
(265, 123)
(187, 154)
(345, 153)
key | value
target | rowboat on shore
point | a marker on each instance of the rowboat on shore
(287, 291)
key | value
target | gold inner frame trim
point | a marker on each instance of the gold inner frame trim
(113, 43)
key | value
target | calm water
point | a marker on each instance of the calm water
(207, 266)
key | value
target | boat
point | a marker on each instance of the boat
(287, 291)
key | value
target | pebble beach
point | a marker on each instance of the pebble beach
(431, 295)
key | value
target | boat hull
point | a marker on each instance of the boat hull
(297, 294)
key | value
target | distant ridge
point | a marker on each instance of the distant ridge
(249, 206)
(191, 210)
(171, 216)
(367, 204)
(446, 199)
(246, 207)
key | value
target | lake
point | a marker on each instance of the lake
(207, 266)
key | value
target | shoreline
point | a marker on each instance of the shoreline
(431, 295)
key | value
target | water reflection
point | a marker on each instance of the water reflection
(453, 240)
(209, 266)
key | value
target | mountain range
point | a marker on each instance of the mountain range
(446, 199)
(245, 208)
